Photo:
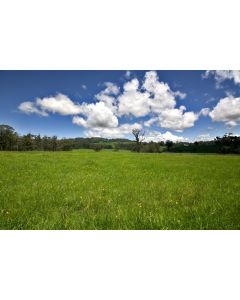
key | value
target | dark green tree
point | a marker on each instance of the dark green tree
(38, 142)
(27, 142)
(54, 143)
(8, 138)
(169, 144)
(45, 143)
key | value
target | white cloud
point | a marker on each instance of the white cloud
(79, 121)
(111, 88)
(204, 138)
(163, 103)
(231, 124)
(102, 113)
(180, 94)
(222, 75)
(108, 95)
(161, 95)
(60, 104)
(153, 98)
(133, 101)
(150, 122)
(204, 111)
(158, 99)
(84, 87)
(97, 115)
(177, 119)
(227, 110)
(123, 131)
(30, 108)
(156, 136)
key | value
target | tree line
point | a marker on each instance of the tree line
(227, 144)
(10, 140)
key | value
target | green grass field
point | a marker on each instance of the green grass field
(118, 190)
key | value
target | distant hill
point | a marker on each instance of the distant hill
(81, 142)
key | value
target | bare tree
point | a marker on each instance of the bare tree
(139, 137)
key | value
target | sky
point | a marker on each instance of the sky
(165, 105)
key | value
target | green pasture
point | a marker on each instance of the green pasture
(118, 190)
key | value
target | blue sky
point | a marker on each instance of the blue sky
(178, 105)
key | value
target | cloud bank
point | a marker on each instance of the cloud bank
(148, 103)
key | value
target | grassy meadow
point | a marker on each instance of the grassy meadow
(118, 190)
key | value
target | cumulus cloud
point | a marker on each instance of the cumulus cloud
(180, 94)
(231, 124)
(60, 104)
(79, 121)
(161, 95)
(31, 108)
(150, 122)
(151, 98)
(100, 114)
(154, 96)
(108, 95)
(222, 75)
(227, 110)
(121, 131)
(156, 136)
(177, 119)
(132, 101)
(157, 99)
(204, 111)
(97, 115)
